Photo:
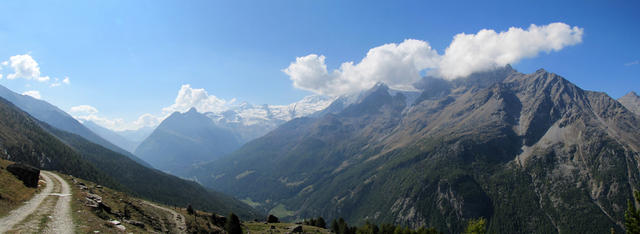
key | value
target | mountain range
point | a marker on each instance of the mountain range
(528, 152)
(185, 140)
(531, 153)
(57, 118)
(26, 139)
(112, 136)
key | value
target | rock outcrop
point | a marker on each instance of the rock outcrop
(27, 174)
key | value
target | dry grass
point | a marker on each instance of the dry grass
(262, 227)
(13, 193)
(88, 219)
(199, 222)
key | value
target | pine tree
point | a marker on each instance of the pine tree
(321, 223)
(476, 226)
(632, 215)
(387, 228)
(334, 226)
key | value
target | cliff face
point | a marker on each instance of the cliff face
(530, 152)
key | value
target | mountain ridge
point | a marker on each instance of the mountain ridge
(450, 157)
(184, 139)
(26, 139)
(57, 118)
(111, 136)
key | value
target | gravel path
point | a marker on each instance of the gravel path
(17, 215)
(62, 222)
(51, 205)
(178, 218)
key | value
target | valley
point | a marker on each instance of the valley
(346, 117)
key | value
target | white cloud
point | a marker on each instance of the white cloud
(5, 63)
(90, 113)
(199, 98)
(147, 120)
(57, 82)
(400, 65)
(397, 65)
(25, 67)
(113, 124)
(0, 76)
(33, 93)
(83, 109)
(488, 49)
(626, 64)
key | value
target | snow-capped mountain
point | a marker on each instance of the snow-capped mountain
(252, 121)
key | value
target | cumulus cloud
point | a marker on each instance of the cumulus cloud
(83, 109)
(187, 98)
(90, 113)
(66, 80)
(488, 49)
(400, 65)
(148, 120)
(26, 67)
(33, 93)
(199, 98)
(397, 65)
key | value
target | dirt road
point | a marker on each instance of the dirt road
(177, 219)
(47, 212)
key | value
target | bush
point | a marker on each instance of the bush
(190, 209)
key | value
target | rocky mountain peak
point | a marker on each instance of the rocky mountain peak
(631, 101)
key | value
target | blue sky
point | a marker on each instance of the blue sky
(127, 58)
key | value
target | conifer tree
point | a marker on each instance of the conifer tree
(632, 215)
(321, 223)
(476, 226)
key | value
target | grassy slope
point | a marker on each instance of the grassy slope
(261, 227)
(12, 191)
(89, 220)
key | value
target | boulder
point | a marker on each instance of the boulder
(90, 203)
(95, 197)
(135, 223)
(218, 220)
(296, 229)
(104, 207)
(121, 228)
(115, 222)
(272, 219)
(27, 174)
